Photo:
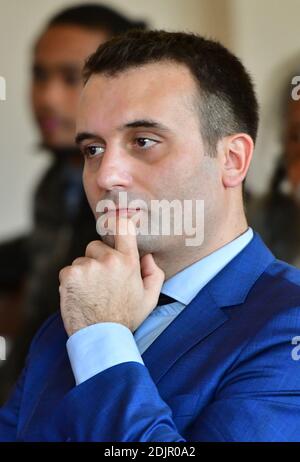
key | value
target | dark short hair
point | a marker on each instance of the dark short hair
(97, 17)
(227, 102)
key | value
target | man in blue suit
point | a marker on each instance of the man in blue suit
(166, 116)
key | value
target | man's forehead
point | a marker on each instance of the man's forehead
(161, 92)
(141, 84)
(167, 70)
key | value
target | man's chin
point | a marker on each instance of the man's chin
(145, 244)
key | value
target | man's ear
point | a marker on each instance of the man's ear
(236, 156)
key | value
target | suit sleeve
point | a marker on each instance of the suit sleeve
(9, 413)
(258, 399)
(120, 404)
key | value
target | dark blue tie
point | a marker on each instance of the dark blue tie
(165, 300)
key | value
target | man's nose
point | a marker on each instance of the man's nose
(114, 172)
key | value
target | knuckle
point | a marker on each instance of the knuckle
(110, 260)
(63, 273)
(91, 247)
(76, 261)
(68, 274)
(93, 264)
(75, 271)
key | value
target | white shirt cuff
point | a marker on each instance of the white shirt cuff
(97, 347)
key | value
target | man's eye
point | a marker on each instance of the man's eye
(39, 74)
(145, 143)
(92, 151)
(72, 79)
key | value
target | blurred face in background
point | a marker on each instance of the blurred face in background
(56, 81)
(292, 145)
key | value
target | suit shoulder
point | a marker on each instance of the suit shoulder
(285, 273)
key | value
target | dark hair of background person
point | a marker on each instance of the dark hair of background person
(228, 102)
(98, 17)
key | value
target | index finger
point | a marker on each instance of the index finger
(125, 237)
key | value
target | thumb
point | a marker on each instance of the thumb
(153, 276)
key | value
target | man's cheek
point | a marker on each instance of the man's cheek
(91, 198)
(86, 185)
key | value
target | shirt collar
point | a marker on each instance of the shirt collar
(185, 285)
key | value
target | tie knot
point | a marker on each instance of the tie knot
(165, 300)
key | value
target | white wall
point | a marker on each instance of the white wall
(264, 33)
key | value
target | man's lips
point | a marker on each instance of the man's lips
(121, 212)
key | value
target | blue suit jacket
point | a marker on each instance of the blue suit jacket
(222, 371)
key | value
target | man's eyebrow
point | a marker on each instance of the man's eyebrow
(145, 123)
(82, 136)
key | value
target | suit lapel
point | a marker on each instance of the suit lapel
(205, 313)
(197, 320)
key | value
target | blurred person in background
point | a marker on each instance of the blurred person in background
(63, 221)
(276, 215)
